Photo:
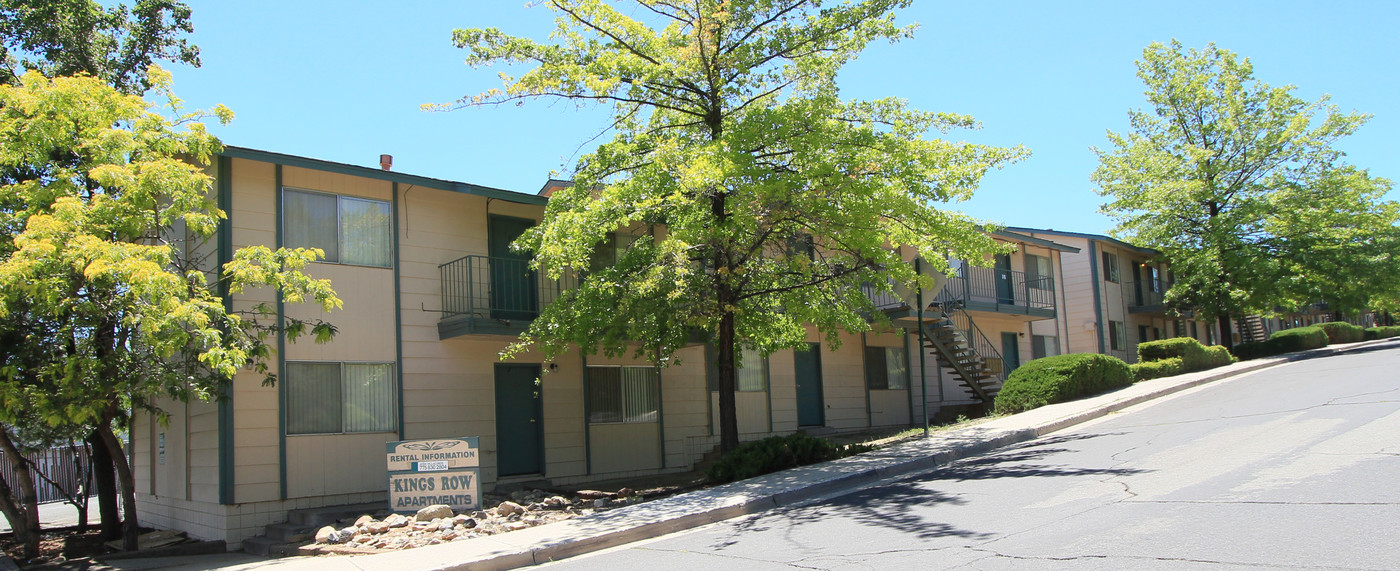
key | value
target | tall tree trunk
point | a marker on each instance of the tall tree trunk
(104, 476)
(131, 527)
(20, 503)
(724, 366)
(83, 497)
(1226, 337)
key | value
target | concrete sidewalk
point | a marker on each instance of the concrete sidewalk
(651, 519)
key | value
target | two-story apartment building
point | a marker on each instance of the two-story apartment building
(1114, 296)
(432, 294)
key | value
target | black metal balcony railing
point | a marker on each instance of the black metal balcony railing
(986, 289)
(497, 288)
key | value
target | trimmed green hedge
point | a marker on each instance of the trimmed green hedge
(1191, 352)
(1220, 356)
(1252, 350)
(1342, 332)
(1297, 339)
(1156, 369)
(1061, 378)
(1286, 341)
(777, 453)
(1381, 332)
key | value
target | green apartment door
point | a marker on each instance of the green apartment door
(1006, 291)
(808, 368)
(519, 420)
(514, 294)
(1010, 351)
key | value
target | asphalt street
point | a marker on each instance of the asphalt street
(1291, 467)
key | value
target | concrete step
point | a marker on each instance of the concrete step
(290, 532)
(263, 545)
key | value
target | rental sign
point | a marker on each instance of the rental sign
(437, 471)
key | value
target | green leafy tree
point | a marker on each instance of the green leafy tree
(106, 220)
(1237, 183)
(116, 44)
(764, 201)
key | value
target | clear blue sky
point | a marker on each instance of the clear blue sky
(343, 81)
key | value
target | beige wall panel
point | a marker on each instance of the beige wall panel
(503, 208)
(684, 403)
(843, 383)
(253, 435)
(349, 185)
(782, 381)
(624, 447)
(750, 407)
(336, 464)
(365, 325)
(889, 408)
(885, 339)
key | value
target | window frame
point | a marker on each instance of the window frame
(1111, 272)
(1042, 282)
(1116, 336)
(340, 365)
(339, 237)
(883, 361)
(712, 373)
(655, 376)
(1038, 345)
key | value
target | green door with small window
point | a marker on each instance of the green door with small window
(1006, 290)
(514, 293)
(519, 417)
(1010, 351)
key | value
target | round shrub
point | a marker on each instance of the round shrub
(1061, 378)
(1342, 332)
(1192, 354)
(777, 453)
(1156, 369)
(1297, 339)
(1220, 356)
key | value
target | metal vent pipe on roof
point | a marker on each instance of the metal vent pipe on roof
(386, 162)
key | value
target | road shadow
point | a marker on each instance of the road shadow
(902, 505)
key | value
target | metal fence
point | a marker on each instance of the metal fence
(58, 472)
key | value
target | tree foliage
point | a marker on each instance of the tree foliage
(1240, 187)
(116, 44)
(105, 216)
(762, 201)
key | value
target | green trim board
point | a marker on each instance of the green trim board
(224, 188)
(398, 306)
(1033, 240)
(587, 413)
(281, 346)
(1094, 280)
(1089, 237)
(380, 174)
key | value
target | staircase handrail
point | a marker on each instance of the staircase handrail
(977, 341)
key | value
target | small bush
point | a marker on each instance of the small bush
(1156, 369)
(1380, 332)
(1342, 332)
(1061, 378)
(1252, 350)
(1220, 356)
(1192, 354)
(777, 453)
(1296, 339)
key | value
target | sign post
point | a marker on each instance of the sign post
(438, 471)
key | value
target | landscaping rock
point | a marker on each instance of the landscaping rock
(592, 494)
(509, 508)
(324, 534)
(434, 512)
(626, 493)
(600, 503)
(396, 520)
(364, 520)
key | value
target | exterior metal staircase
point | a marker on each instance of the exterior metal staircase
(961, 348)
(1252, 329)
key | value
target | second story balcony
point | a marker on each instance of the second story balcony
(494, 296)
(990, 290)
(1146, 296)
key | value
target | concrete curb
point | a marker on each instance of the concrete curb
(686, 511)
